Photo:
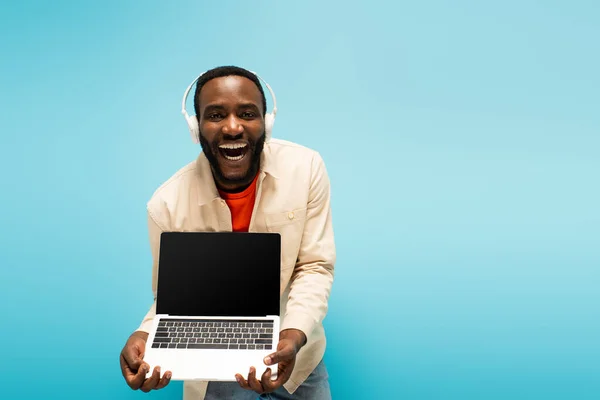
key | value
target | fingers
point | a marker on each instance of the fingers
(134, 378)
(151, 382)
(137, 380)
(252, 383)
(270, 385)
(284, 371)
(164, 381)
(266, 381)
(242, 382)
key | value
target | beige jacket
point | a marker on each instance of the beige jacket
(293, 199)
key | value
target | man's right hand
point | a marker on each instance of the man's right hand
(134, 369)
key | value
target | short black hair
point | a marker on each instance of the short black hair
(227, 70)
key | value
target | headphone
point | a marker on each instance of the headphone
(192, 120)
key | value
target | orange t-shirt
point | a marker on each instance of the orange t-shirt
(241, 205)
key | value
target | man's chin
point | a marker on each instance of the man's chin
(235, 179)
(236, 173)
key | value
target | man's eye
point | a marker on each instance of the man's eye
(248, 114)
(214, 116)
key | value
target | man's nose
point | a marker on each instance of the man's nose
(232, 126)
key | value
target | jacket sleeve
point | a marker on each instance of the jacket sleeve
(154, 232)
(311, 281)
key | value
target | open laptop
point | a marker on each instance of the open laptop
(217, 305)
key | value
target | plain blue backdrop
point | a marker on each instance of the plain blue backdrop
(462, 140)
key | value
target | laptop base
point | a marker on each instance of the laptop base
(209, 365)
(211, 348)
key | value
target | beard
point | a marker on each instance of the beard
(211, 150)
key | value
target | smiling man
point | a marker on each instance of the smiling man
(243, 181)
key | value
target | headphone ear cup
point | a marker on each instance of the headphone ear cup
(194, 128)
(269, 122)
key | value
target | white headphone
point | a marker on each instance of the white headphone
(192, 121)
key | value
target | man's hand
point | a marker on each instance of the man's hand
(134, 369)
(290, 342)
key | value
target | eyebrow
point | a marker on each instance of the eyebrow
(221, 106)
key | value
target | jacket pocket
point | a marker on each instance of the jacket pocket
(290, 225)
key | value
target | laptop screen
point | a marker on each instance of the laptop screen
(226, 274)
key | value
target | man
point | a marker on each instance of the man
(243, 182)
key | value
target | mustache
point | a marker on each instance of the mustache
(253, 144)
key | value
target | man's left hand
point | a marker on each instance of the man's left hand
(290, 342)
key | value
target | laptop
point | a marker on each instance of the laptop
(217, 305)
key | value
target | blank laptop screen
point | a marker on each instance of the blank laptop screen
(226, 274)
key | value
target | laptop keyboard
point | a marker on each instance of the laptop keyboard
(214, 334)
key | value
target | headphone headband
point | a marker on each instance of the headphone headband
(192, 120)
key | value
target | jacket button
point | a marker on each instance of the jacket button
(291, 215)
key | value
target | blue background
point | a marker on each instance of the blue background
(462, 139)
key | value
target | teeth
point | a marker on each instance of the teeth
(232, 146)
(233, 158)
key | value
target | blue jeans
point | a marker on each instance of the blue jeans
(315, 387)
